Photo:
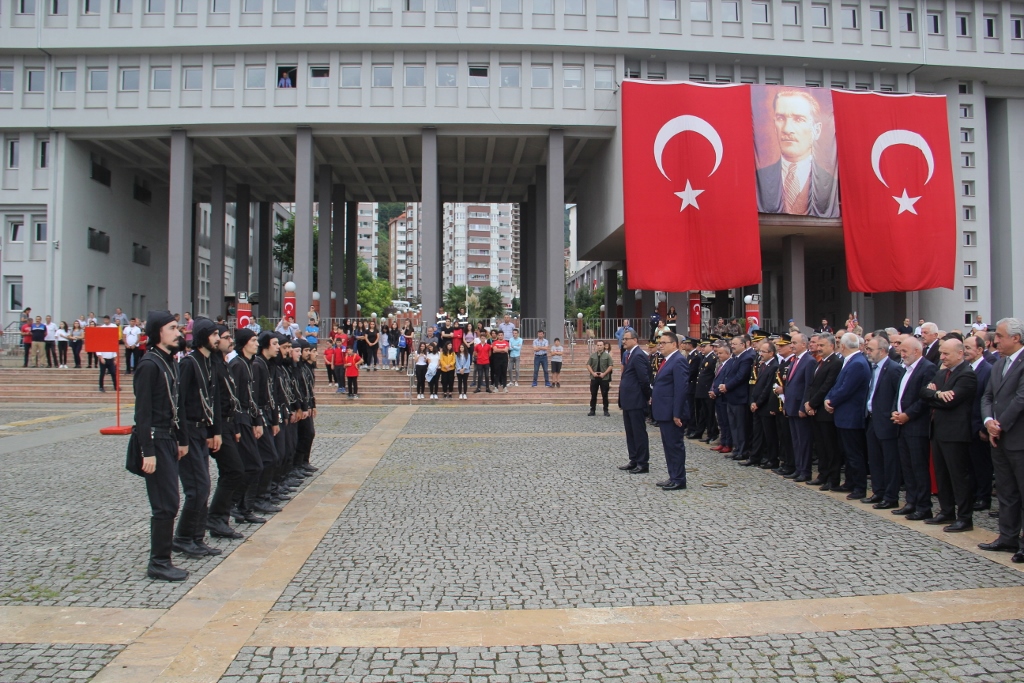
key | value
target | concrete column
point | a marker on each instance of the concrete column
(351, 256)
(179, 224)
(611, 288)
(303, 275)
(323, 247)
(554, 263)
(430, 228)
(794, 295)
(526, 278)
(1006, 223)
(243, 218)
(218, 212)
(338, 246)
(539, 250)
(265, 260)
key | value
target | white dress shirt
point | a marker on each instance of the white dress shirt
(903, 383)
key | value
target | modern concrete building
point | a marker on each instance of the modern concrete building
(117, 117)
(404, 235)
(366, 238)
(479, 249)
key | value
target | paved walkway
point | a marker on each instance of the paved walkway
(497, 545)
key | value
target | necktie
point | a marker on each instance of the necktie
(871, 384)
(1006, 365)
(792, 368)
(792, 188)
(948, 373)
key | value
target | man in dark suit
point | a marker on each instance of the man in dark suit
(688, 347)
(951, 396)
(847, 402)
(912, 413)
(930, 341)
(824, 377)
(634, 395)
(725, 358)
(764, 443)
(882, 432)
(1001, 409)
(705, 405)
(801, 369)
(670, 407)
(981, 451)
(733, 388)
(786, 462)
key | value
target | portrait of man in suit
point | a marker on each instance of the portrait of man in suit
(796, 158)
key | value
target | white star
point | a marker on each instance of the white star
(689, 197)
(906, 203)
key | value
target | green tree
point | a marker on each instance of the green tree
(489, 303)
(454, 299)
(284, 246)
(373, 294)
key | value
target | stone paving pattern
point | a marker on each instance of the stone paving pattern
(53, 663)
(63, 542)
(74, 414)
(495, 523)
(536, 418)
(977, 652)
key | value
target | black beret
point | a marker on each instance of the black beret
(265, 338)
(155, 321)
(301, 343)
(202, 328)
(242, 336)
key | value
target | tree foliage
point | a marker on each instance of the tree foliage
(373, 294)
(284, 246)
(487, 303)
(586, 302)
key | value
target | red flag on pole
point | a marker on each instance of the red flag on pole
(899, 208)
(689, 189)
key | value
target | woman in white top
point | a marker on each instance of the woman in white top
(62, 336)
(433, 362)
(421, 370)
(556, 352)
(77, 338)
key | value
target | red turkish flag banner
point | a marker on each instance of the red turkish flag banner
(689, 188)
(897, 192)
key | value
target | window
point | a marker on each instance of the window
(155, 7)
(967, 111)
(575, 7)
(140, 254)
(13, 153)
(510, 76)
(850, 18)
(878, 19)
(255, 77)
(39, 232)
(287, 76)
(759, 12)
(511, 7)
(447, 6)
(990, 27)
(319, 76)
(192, 78)
(970, 268)
(97, 80)
(478, 77)
(731, 12)
(967, 187)
(122, 6)
(572, 77)
(27, 7)
(970, 238)
(351, 76)
(479, 6)
(188, 6)
(44, 154)
(380, 6)
(970, 293)
(141, 191)
(252, 6)
(284, 5)
(382, 76)
(907, 22)
(965, 88)
(668, 9)
(967, 159)
(790, 14)
(316, 6)
(1017, 28)
(129, 80)
(90, 6)
(604, 78)
(98, 171)
(606, 8)
(6, 80)
(542, 6)
(16, 232)
(220, 6)
(934, 21)
(67, 81)
(541, 77)
(447, 75)
(58, 8)
(819, 16)
(14, 296)
(966, 135)
(636, 8)
(161, 79)
(414, 76)
(35, 80)
(969, 213)
(224, 78)
(963, 25)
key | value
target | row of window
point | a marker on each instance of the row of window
(16, 231)
(12, 155)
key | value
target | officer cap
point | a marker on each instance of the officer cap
(784, 340)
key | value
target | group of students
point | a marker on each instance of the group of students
(245, 400)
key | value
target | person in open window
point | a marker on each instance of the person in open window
(285, 81)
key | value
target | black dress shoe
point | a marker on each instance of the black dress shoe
(591, 414)
(843, 488)
(993, 513)
(673, 487)
(187, 546)
(824, 487)
(1018, 557)
(767, 466)
(746, 463)
(793, 475)
(855, 495)
(782, 471)
(885, 505)
(663, 484)
(905, 510)
(800, 479)
(919, 516)
(640, 470)
(817, 481)
(877, 498)
(628, 466)
(941, 518)
(982, 505)
(996, 545)
(959, 525)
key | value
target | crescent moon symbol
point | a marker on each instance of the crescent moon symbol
(900, 137)
(681, 124)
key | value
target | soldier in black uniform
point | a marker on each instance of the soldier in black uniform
(688, 347)
(705, 421)
(269, 349)
(306, 380)
(288, 405)
(787, 459)
(160, 438)
(197, 405)
(230, 472)
(250, 424)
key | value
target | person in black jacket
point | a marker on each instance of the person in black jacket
(250, 424)
(305, 379)
(882, 433)
(197, 405)
(824, 378)
(634, 396)
(230, 471)
(764, 444)
(951, 396)
(161, 440)
(912, 414)
(269, 349)
(705, 406)
(285, 440)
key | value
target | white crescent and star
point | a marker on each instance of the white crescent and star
(901, 137)
(682, 124)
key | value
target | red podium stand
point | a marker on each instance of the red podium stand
(106, 340)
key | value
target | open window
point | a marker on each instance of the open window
(287, 76)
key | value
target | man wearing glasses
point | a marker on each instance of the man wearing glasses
(670, 407)
(634, 395)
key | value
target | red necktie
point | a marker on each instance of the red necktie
(792, 368)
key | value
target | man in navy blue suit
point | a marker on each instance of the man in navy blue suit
(981, 451)
(801, 369)
(670, 407)
(634, 395)
(882, 432)
(913, 415)
(733, 388)
(847, 401)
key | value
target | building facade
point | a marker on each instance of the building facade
(117, 118)
(404, 239)
(480, 249)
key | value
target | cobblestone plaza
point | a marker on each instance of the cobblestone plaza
(487, 544)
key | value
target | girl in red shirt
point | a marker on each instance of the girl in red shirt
(352, 363)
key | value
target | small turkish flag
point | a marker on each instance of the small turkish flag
(689, 190)
(897, 193)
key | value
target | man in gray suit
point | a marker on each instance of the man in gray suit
(1002, 406)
